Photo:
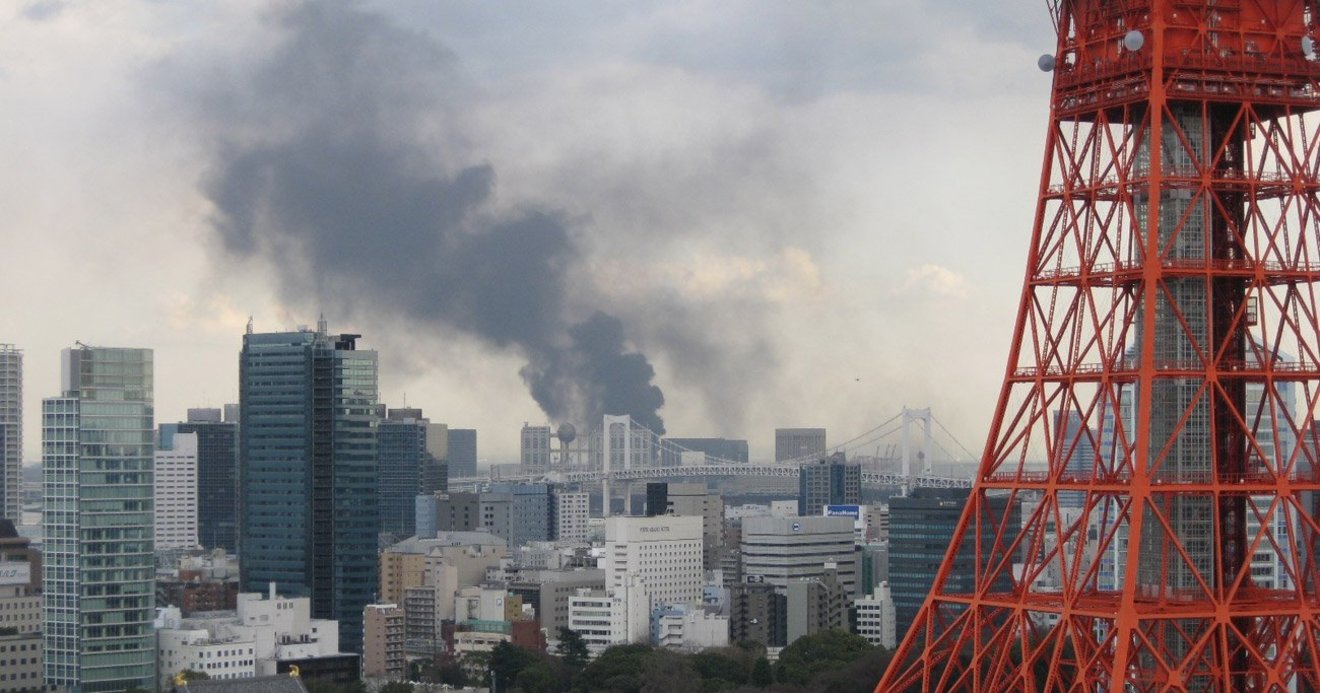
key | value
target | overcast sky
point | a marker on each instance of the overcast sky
(799, 214)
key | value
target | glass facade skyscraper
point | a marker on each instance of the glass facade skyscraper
(217, 482)
(411, 463)
(921, 527)
(11, 430)
(462, 452)
(828, 481)
(307, 450)
(98, 572)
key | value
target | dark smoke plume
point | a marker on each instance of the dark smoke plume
(331, 166)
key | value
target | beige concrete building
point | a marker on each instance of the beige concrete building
(382, 644)
(20, 613)
(407, 563)
(422, 576)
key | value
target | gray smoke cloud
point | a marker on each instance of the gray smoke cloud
(332, 164)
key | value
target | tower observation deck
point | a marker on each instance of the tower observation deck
(1172, 275)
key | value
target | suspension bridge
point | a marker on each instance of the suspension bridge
(911, 449)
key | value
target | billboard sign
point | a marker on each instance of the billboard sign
(15, 573)
(853, 511)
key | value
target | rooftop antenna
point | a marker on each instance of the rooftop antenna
(249, 325)
(321, 326)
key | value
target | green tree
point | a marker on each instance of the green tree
(449, 670)
(728, 665)
(762, 675)
(397, 687)
(545, 676)
(821, 652)
(617, 669)
(191, 675)
(572, 648)
(506, 662)
(664, 672)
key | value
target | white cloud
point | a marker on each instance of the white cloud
(932, 281)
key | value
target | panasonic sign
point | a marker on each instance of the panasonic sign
(853, 511)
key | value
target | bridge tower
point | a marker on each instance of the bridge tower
(922, 417)
(1153, 428)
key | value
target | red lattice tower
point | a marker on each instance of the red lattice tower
(1155, 426)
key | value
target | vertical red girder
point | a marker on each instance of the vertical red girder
(1170, 533)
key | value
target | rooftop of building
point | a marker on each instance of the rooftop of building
(9, 533)
(425, 544)
(278, 683)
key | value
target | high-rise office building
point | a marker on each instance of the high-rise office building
(828, 481)
(920, 529)
(664, 498)
(462, 452)
(663, 552)
(572, 510)
(217, 477)
(205, 415)
(411, 463)
(11, 430)
(534, 446)
(780, 550)
(816, 605)
(722, 448)
(758, 612)
(98, 569)
(307, 451)
(1077, 446)
(175, 481)
(796, 443)
(458, 511)
(531, 512)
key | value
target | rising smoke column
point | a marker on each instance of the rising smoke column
(325, 168)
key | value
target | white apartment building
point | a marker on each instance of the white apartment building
(243, 643)
(179, 648)
(613, 617)
(175, 492)
(663, 552)
(875, 617)
(689, 628)
(571, 515)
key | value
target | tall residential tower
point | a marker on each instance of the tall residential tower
(11, 430)
(98, 571)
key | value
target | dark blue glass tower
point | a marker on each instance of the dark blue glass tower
(307, 456)
(920, 530)
(462, 452)
(217, 482)
(406, 445)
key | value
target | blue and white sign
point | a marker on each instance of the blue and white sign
(853, 511)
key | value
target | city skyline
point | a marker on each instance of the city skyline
(798, 240)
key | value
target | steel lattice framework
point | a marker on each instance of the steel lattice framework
(1166, 363)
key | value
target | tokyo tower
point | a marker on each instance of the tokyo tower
(1154, 439)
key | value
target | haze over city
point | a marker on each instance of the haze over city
(795, 214)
